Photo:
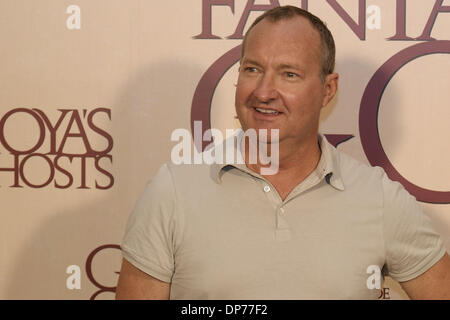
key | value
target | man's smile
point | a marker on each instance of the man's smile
(266, 112)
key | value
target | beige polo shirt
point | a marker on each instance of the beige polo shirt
(223, 232)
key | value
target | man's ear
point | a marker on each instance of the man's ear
(330, 88)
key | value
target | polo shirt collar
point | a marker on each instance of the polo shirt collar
(328, 167)
(329, 164)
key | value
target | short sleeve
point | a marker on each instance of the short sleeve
(148, 241)
(412, 245)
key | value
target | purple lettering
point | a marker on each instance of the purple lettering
(251, 6)
(304, 5)
(358, 28)
(106, 173)
(368, 116)
(83, 173)
(14, 169)
(100, 131)
(80, 134)
(201, 102)
(206, 17)
(41, 131)
(50, 165)
(438, 7)
(52, 129)
(90, 274)
(65, 172)
(401, 22)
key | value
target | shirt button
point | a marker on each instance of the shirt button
(266, 188)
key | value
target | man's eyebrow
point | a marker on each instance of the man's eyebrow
(282, 66)
(290, 66)
(250, 61)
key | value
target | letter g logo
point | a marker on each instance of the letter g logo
(368, 116)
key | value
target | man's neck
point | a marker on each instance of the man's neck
(296, 163)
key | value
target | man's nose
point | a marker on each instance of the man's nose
(266, 89)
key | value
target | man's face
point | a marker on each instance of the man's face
(279, 85)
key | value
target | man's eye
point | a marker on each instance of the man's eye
(291, 75)
(251, 69)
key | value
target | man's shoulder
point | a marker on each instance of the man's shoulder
(353, 170)
(358, 175)
(174, 182)
(188, 174)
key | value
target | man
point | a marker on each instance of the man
(310, 231)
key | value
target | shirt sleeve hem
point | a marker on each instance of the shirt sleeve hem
(146, 266)
(411, 275)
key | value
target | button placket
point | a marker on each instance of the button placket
(282, 231)
(271, 194)
(282, 223)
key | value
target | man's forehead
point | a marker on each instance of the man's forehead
(297, 27)
(292, 32)
(285, 36)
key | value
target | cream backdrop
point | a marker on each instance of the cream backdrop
(114, 89)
